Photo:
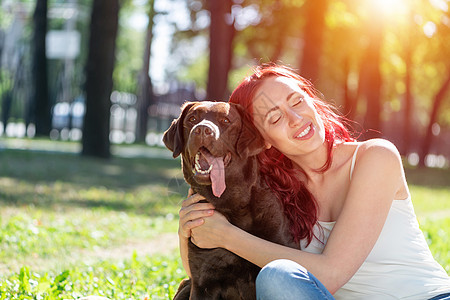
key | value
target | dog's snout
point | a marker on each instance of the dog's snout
(203, 130)
(206, 129)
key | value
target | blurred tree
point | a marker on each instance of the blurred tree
(129, 47)
(313, 39)
(5, 83)
(270, 36)
(99, 70)
(437, 102)
(342, 27)
(256, 31)
(408, 93)
(385, 60)
(221, 34)
(40, 97)
(372, 82)
(145, 94)
(430, 78)
(6, 100)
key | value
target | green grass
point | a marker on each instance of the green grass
(437, 233)
(154, 277)
(62, 215)
(430, 191)
(73, 226)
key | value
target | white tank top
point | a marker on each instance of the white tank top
(400, 265)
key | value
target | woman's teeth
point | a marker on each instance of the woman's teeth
(304, 132)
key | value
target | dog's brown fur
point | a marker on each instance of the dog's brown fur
(247, 202)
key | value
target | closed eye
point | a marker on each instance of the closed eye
(296, 101)
(274, 119)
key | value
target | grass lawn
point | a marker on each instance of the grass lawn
(74, 226)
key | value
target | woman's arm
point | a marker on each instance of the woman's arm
(191, 215)
(183, 244)
(376, 179)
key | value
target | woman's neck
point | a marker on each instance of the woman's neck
(312, 161)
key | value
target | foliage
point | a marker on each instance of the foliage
(129, 51)
(268, 30)
(56, 207)
(135, 278)
(436, 233)
(196, 72)
(62, 214)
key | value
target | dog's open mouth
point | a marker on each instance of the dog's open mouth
(209, 168)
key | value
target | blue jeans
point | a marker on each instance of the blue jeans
(286, 280)
(442, 297)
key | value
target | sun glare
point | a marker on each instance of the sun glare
(390, 7)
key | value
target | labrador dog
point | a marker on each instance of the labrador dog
(218, 146)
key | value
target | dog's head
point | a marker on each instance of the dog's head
(212, 136)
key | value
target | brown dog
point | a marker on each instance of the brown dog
(218, 147)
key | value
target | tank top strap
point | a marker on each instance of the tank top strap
(354, 160)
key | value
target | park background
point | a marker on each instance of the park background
(88, 194)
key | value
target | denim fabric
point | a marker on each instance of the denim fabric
(442, 297)
(286, 280)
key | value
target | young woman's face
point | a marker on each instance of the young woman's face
(286, 117)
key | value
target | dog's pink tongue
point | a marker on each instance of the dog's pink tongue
(217, 174)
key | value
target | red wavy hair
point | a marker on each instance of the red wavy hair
(278, 171)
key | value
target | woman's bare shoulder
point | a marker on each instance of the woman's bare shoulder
(376, 154)
(379, 147)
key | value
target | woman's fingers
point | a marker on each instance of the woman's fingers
(192, 213)
(194, 208)
(189, 225)
(194, 198)
(193, 220)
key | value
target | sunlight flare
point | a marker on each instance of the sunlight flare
(390, 7)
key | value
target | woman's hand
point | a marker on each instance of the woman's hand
(211, 233)
(192, 214)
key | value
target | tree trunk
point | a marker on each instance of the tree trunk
(99, 70)
(372, 82)
(438, 99)
(220, 44)
(408, 103)
(145, 98)
(6, 107)
(313, 36)
(349, 98)
(40, 97)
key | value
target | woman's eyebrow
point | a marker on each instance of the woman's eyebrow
(277, 107)
(290, 96)
(271, 110)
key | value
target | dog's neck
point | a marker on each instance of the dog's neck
(235, 201)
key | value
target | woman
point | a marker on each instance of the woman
(354, 221)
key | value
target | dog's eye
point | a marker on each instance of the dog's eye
(192, 119)
(225, 120)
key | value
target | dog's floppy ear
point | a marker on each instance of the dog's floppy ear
(250, 142)
(173, 137)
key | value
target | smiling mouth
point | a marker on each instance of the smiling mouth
(304, 132)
